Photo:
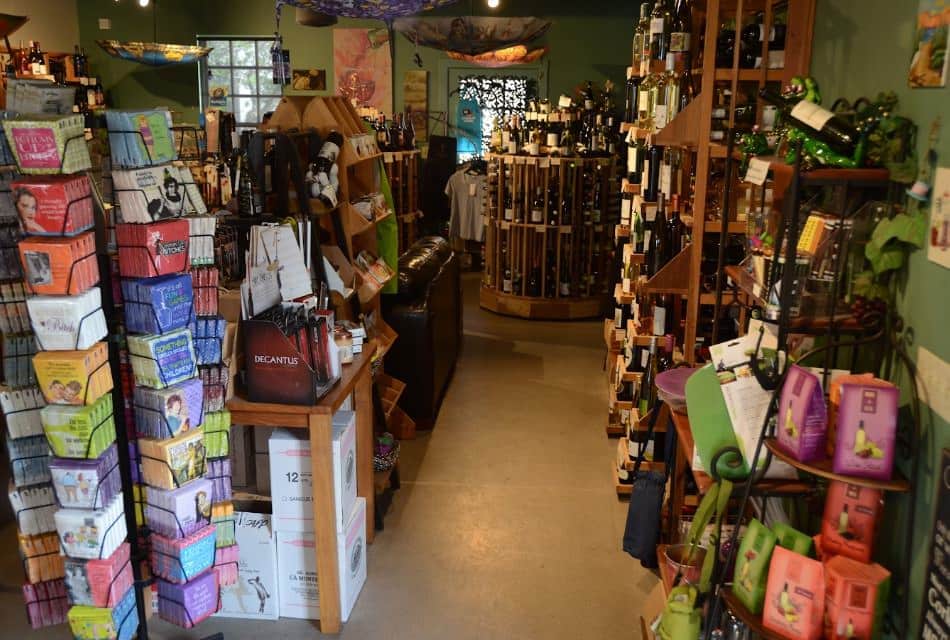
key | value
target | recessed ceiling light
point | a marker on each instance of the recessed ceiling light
(493, 4)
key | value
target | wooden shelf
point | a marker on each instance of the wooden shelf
(639, 132)
(716, 227)
(753, 75)
(623, 446)
(752, 621)
(614, 429)
(822, 469)
(673, 277)
(782, 173)
(613, 337)
(620, 297)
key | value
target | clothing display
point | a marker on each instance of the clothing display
(467, 191)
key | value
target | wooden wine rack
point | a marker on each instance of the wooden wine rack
(579, 242)
(402, 170)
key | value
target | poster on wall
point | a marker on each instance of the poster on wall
(928, 67)
(415, 93)
(934, 622)
(309, 80)
(938, 242)
(363, 67)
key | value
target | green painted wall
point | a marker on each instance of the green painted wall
(862, 47)
(572, 58)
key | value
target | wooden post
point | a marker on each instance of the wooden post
(321, 460)
(363, 401)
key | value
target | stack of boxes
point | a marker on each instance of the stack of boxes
(60, 265)
(292, 494)
(168, 395)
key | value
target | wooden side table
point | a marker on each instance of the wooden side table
(357, 378)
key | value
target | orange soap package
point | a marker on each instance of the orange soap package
(856, 599)
(850, 520)
(74, 377)
(58, 266)
(795, 596)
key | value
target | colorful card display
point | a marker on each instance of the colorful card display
(46, 602)
(87, 484)
(188, 604)
(181, 560)
(79, 431)
(99, 583)
(92, 534)
(59, 266)
(215, 379)
(74, 377)
(158, 305)
(201, 241)
(14, 316)
(21, 411)
(42, 560)
(48, 144)
(222, 516)
(168, 464)
(156, 249)
(204, 283)
(866, 432)
(219, 473)
(33, 508)
(217, 428)
(159, 361)
(168, 412)
(29, 460)
(104, 623)
(156, 193)
(208, 333)
(178, 513)
(53, 205)
(18, 351)
(140, 138)
(68, 323)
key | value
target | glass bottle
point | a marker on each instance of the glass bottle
(537, 208)
(661, 23)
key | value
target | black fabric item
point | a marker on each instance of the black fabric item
(427, 316)
(438, 167)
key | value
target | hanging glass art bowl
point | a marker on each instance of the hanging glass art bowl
(10, 23)
(156, 54)
(386, 10)
(471, 35)
(508, 56)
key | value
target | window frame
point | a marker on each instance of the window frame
(205, 67)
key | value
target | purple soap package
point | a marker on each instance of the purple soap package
(866, 430)
(178, 513)
(219, 473)
(169, 412)
(89, 483)
(158, 305)
(802, 416)
(191, 603)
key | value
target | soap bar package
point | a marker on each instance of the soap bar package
(120, 622)
(59, 266)
(201, 241)
(159, 361)
(792, 539)
(41, 557)
(834, 402)
(48, 144)
(92, 534)
(99, 583)
(79, 431)
(208, 332)
(87, 484)
(18, 351)
(226, 560)
(140, 138)
(53, 205)
(222, 516)
(14, 317)
(33, 508)
(155, 249)
(21, 411)
(752, 566)
(68, 323)
(181, 560)
(795, 596)
(178, 513)
(29, 460)
(856, 599)
(257, 569)
(169, 464)
(216, 379)
(204, 282)
(850, 520)
(155, 193)
(46, 603)
(803, 419)
(219, 472)
(188, 604)
(866, 431)
(74, 377)
(168, 412)
(157, 305)
(217, 428)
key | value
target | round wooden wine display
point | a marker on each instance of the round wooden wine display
(549, 236)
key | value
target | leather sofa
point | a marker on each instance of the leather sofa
(426, 313)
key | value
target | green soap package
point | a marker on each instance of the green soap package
(79, 431)
(752, 566)
(792, 539)
(217, 429)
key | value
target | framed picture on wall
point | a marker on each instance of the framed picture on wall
(309, 80)
(928, 67)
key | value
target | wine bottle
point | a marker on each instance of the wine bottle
(506, 283)
(681, 31)
(534, 281)
(552, 206)
(659, 252)
(816, 120)
(637, 231)
(660, 310)
(648, 381)
(537, 208)
(630, 96)
(655, 157)
(660, 95)
(634, 159)
(410, 131)
(660, 24)
(675, 227)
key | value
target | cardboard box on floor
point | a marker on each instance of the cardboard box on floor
(652, 608)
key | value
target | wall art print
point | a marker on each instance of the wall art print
(362, 67)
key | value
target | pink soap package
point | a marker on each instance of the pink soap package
(795, 596)
(856, 598)
(850, 521)
(866, 430)
(802, 416)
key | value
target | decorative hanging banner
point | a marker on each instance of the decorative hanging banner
(471, 35)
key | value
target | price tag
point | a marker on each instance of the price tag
(520, 159)
(540, 228)
(556, 162)
(531, 160)
(625, 209)
(757, 172)
(505, 226)
(509, 160)
(544, 162)
(388, 158)
(649, 212)
(566, 228)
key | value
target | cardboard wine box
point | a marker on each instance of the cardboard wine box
(291, 479)
(255, 595)
(298, 587)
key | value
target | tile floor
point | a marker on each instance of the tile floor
(506, 526)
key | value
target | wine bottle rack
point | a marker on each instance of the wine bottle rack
(402, 170)
(557, 268)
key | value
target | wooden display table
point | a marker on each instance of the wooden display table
(318, 419)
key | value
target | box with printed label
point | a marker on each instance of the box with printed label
(298, 587)
(255, 595)
(291, 478)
